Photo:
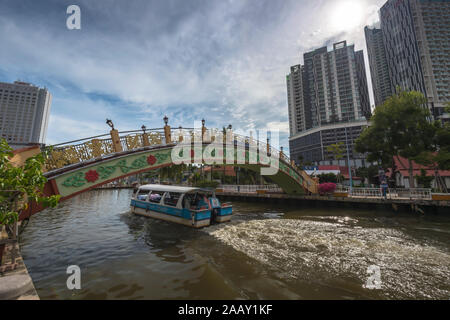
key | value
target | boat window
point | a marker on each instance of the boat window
(142, 195)
(155, 196)
(171, 198)
(188, 200)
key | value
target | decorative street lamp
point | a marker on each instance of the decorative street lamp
(230, 127)
(144, 128)
(167, 134)
(110, 123)
(203, 122)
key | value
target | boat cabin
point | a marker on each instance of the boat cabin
(194, 207)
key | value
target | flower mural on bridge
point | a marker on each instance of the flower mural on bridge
(91, 176)
(151, 160)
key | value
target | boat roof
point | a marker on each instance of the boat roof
(166, 188)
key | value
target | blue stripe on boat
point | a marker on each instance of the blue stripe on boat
(181, 213)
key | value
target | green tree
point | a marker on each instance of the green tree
(424, 180)
(301, 160)
(327, 177)
(399, 127)
(368, 173)
(337, 150)
(19, 185)
(438, 158)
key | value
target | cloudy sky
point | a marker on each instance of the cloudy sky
(135, 61)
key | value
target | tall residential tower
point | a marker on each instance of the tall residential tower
(328, 100)
(379, 71)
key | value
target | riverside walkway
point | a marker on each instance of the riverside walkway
(416, 200)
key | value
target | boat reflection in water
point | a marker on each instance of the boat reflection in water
(193, 207)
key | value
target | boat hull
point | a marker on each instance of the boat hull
(193, 219)
(165, 217)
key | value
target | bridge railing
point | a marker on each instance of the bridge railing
(75, 151)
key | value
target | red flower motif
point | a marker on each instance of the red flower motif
(91, 176)
(151, 160)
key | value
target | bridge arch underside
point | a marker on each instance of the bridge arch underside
(75, 179)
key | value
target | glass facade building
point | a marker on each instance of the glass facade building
(416, 35)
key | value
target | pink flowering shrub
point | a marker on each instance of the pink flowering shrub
(327, 188)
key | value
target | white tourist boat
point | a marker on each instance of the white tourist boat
(193, 207)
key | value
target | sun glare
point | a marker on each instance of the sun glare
(346, 15)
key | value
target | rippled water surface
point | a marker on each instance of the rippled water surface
(268, 251)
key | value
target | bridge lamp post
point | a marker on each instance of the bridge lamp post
(167, 130)
(145, 136)
(110, 123)
(203, 129)
(117, 146)
(180, 137)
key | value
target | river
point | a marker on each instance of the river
(268, 251)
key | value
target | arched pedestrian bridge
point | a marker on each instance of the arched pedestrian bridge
(78, 166)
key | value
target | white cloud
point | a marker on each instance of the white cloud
(223, 60)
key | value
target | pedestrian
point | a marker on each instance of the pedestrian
(384, 187)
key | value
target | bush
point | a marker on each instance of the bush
(206, 184)
(19, 185)
(327, 188)
(327, 177)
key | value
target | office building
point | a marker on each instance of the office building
(24, 113)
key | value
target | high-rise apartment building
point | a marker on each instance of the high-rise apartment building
(362, 84)
(416, 35)
(379, 71)
(297, 116)
(24, 113)
(329, 92)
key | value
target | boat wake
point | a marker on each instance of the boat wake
(339, 254)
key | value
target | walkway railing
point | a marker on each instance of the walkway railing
(250, 188)
(392, 193)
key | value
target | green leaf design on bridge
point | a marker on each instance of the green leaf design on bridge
(104, 172)
(76, 180)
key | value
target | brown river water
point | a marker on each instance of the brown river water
(268, 251)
